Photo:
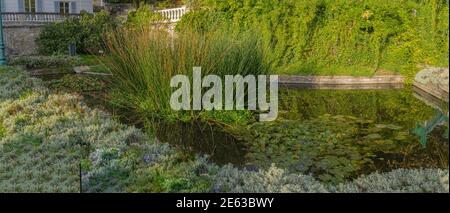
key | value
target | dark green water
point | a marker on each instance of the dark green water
(395, 106)
(379, 127)
(335, 134)
(384, 118)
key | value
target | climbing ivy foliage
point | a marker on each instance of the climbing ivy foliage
(305, 35)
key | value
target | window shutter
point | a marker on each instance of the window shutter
(39, 6)
(21, 6)
(73, 7)
(57, 10)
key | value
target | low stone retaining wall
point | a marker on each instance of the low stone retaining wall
(342, 82)
(433, 82)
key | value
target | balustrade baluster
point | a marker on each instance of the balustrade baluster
(173, 15)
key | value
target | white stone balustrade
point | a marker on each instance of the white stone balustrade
(170, 15)
(34, 18)
(174, 14)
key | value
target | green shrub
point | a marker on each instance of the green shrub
(87, 33)
(314, 36)
(142, 16)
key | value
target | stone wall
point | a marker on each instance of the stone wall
(434, 82)
(20, 40)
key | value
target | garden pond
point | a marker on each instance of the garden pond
(334, 135)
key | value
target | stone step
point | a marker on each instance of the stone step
(337, 80)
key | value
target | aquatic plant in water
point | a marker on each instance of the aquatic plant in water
(333, 148)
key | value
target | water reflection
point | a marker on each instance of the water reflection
(202, 138)
(388, 106)
(439, 119)
(398, 107)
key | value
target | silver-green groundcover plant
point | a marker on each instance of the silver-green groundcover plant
(212, 99)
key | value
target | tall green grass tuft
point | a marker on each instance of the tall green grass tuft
(144, 60)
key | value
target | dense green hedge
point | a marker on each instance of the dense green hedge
(87, 33)
(309, 36)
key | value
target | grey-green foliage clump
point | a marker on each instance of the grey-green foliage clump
(13, 83)
(400, 180)
(275, 180)
(45, 137)
(113, 169)
(36, 154)
(41, 146)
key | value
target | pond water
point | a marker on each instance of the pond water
(350, 131)
(381, 125)
(332, 134)
(196, 137)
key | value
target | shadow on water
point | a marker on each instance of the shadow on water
(204, 139)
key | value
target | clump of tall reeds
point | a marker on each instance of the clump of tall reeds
(144, 60)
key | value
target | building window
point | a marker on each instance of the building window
(64, 7)
(30, 6)
(2, 5)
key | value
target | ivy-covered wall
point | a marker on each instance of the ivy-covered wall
(304, 36)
